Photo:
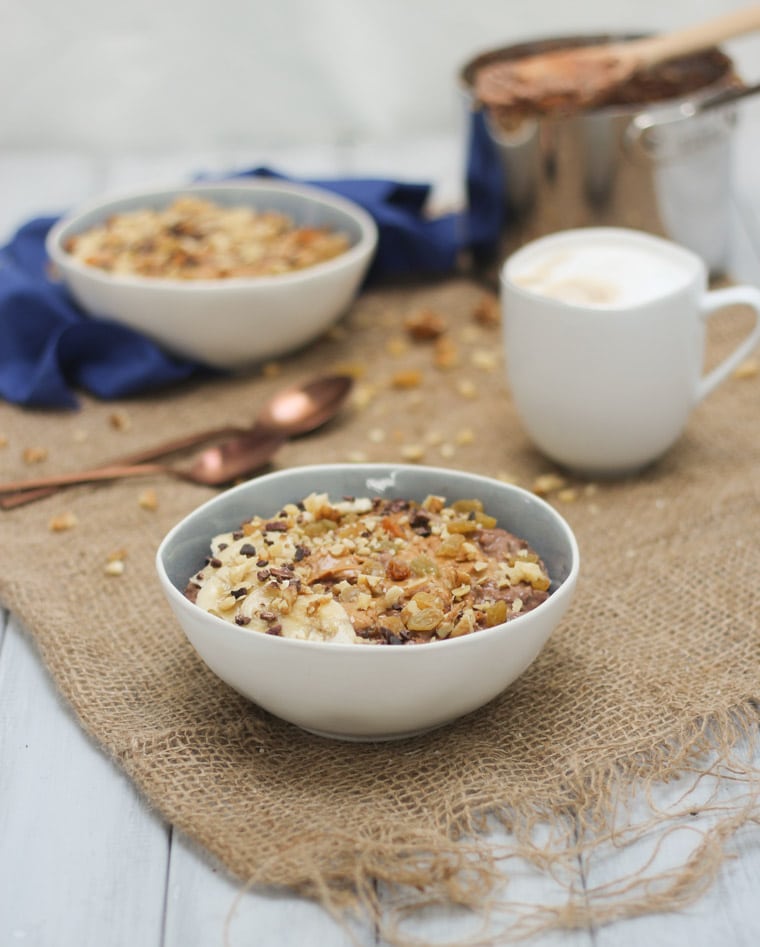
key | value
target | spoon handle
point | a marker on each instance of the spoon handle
(693, 39)
(22, 497)
(73, 477)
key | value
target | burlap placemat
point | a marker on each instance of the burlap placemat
(657, 662)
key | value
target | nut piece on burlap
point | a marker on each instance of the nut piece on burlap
(657, 662)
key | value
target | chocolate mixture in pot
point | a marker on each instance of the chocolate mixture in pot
(490, 76)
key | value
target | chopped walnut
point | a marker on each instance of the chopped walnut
(425, 324)
(396, 346)
(120, 421)
(195, 238)
(446, 354)
(487, 311)
(413, 452)
(388, 571)
(486, 360)
(567, 495)
(62, 522)
(547, 483)
(148, 499)
(467, 389)
(34, 455)
(411, 378)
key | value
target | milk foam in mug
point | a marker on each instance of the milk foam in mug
(604, 334)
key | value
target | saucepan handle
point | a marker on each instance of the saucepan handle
(647, 135)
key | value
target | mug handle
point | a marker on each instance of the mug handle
(712, 302)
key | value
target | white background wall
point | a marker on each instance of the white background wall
(150, 75)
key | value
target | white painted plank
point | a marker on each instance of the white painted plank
(523, 904)
(82, 860)
(204, 906)
(727, 913)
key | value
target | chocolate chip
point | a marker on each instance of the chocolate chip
(263, 575)
(247, 550)
(238, 534)
(276, 526)
(214, 562)
(274, 629)
(239, 593)
(242, 620)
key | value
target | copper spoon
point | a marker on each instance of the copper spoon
(582, 76)
(295, 410)
(213, 467)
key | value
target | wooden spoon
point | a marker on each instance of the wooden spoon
(584, 76)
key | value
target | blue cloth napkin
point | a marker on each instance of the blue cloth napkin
(49, 348)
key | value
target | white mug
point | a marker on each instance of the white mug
(604, 334)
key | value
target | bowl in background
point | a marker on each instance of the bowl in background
(228, 323)
(369, 691)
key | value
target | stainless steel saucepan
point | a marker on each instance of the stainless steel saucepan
(659, 160)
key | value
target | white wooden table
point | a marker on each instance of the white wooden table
(82, 859)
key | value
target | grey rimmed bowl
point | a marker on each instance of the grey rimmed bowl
(357, 691)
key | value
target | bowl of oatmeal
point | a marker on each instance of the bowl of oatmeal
(369, 601)
(229, 274)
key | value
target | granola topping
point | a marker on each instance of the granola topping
(195, 238)
(370, 570)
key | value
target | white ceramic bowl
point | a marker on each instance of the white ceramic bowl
(362, 691)
(227, 323)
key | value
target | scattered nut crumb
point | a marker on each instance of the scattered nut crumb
(567, 495)
(748, 368)
(356, 457)
(3, 440)
(467, 389)
(396, 346)
(425, 324)
(116, 555)
(62, 522)
(34, 455)
(507, 477)
(447, 450)
(434, 438)
(486, 360)
(79, 436)
(376, 435)
(148, 499)
(363, 396)
(591, 489)
(446, 353)
(547, 483)
(114, 567)
(413, 452)
(465, 435)
(354, 369)
(120, 421)
(487, 310)
(411, 378)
